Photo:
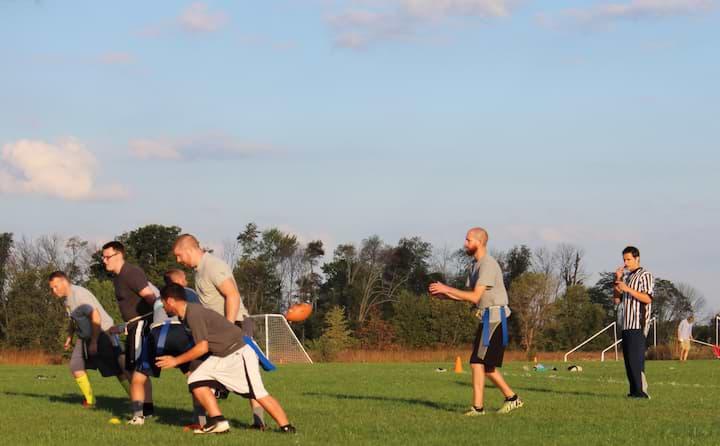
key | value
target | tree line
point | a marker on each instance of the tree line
(368, 295)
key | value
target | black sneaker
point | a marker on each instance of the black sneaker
(221, 394)
(258, 426)
(288, 429)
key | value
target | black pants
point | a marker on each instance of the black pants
(633, 347)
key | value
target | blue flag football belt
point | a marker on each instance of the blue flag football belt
(264, 361)
(486, 327)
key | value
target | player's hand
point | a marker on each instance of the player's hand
(438, 289)
(166, 362)
(68, 342)
(619, 273)
(622, 287)
(92, 348)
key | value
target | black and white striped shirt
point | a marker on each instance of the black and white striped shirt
(637, 314)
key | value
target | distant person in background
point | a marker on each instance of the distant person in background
(634, 291)
(94, 347)
(177, 276)
(685, 336)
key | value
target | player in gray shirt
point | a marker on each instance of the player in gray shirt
(487, 293)
(94, 348)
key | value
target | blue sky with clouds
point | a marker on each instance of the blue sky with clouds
(588, 122)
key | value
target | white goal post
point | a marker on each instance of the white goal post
(277, 340)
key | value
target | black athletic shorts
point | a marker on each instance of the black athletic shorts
(492, 355)
(177, 342)
(137, 333)
(106, 359)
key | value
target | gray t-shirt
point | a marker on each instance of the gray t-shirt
(486, 271)
(211, 272)
(223, 337)
(80, 305)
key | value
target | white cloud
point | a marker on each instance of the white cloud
(65, 170)
(198, 18)
(196, 147)
(605, 12)
(402, 19)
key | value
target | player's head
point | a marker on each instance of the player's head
(175, 276)
(59, 284)
(173, 297)
(631, 258)
(187, 250)
(691, 318)
(476, 238)
(113, 256)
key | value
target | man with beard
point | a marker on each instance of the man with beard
(487, 293)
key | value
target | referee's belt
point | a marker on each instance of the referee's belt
(493, 314)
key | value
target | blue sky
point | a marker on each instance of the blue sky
(584, 122)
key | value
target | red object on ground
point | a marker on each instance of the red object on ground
(298, 312)
(716, 350)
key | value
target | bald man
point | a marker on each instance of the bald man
(217, 291)
(487, 293)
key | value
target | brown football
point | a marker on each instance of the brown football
(298, 312)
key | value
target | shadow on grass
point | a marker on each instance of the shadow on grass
(545, 390)
(120, 407)
(410, 401)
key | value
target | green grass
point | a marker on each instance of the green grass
(385, 404)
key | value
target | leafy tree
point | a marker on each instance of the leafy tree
(412, 320)
(532, 295)
(336, 336)
(574, 318)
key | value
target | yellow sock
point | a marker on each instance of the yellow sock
(84, 383)
(125, 385)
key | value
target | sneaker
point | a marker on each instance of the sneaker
(258, 426)
(288, 429)
(137, 420)
(473, 412)
(509, 406)
(217, 427)
(87, 405)
(221, 394)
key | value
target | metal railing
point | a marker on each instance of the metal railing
(613, 325)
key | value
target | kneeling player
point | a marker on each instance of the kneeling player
(95, 348)
(231, 363)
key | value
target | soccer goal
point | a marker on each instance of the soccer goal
(277, 340)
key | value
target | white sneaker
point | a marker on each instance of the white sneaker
(214, 428)
(137, 420)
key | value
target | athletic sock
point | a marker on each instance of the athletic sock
(125, 385)
(258, 416)
(84, 383)
(512, 398)
(148, 409)
(137, 408)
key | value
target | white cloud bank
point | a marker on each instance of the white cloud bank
(210, 147)
(65, 170)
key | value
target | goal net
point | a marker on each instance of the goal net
(277, 340)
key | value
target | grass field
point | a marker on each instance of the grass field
(396, 404)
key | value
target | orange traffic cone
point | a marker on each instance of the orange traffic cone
(458, 365)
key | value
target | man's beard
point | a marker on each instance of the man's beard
(470, 251)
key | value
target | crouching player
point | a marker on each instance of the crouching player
(231, 363)
(94, 348)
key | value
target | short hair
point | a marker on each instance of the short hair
(169, 274)
(632, 250)
(116, 245)
(185, 239)
(480, 234)
(57, 275)
(173, 290)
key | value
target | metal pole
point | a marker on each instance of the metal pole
(267, 338)
(655, 335)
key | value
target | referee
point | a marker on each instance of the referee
(634, 291)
